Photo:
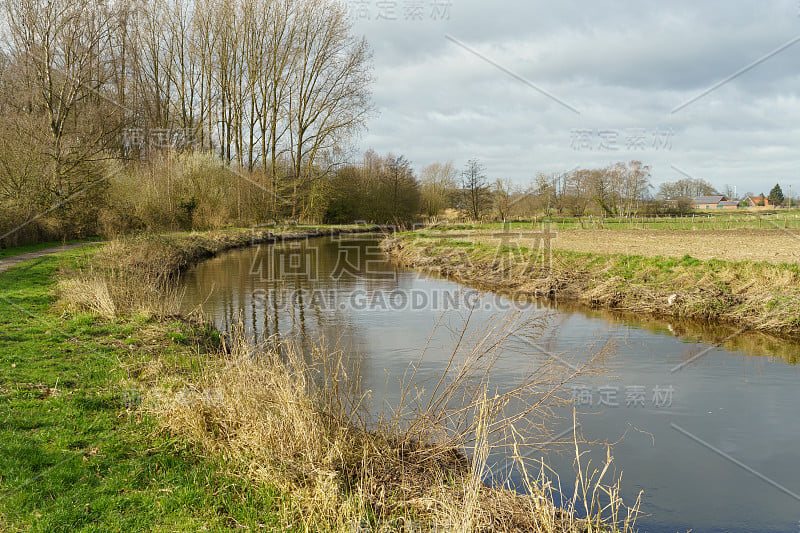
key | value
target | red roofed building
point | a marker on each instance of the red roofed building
(758, 201)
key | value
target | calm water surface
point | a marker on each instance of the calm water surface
(708, 418)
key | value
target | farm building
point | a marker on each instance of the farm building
(714, 202)
(758, 201)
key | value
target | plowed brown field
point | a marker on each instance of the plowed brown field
(774, 246)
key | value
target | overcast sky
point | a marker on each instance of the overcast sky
(534, 86)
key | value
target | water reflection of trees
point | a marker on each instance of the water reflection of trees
(730, 337)
(291, 291)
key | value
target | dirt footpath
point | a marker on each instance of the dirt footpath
(8, 262)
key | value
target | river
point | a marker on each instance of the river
(703, 419)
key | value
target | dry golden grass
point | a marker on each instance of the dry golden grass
(295, 422)
(90, 294)
(113, 293)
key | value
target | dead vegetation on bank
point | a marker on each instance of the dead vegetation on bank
(135, 275)
(291, 423)
(757, 295)
(298, 423)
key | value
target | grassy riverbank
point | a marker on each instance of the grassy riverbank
(753, 294)
(76, 452)
(122, 415)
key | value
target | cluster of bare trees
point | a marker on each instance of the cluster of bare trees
(55, 123)
(687, 188)
(381, 189)
(616, 190)
(678, 195)
(620, 189)
(438, 183)
(273, 87)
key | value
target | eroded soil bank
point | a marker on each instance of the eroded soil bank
(751, 294)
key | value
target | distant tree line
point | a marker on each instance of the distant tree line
(621, 189)
(617, 190)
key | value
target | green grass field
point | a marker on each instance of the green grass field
(76, 453)
(702, 220)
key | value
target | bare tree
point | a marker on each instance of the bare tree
(579, 186)
(475, 189)
(403, 188)
(685, 188)
(274, 84)
(502, 193)
(154, 55)
(62, 49)
(729, 191)
(544, 189)
(330, 94)
(634, 186)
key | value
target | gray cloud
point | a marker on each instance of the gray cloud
(624, 68)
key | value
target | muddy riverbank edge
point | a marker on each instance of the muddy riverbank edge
(750, 295)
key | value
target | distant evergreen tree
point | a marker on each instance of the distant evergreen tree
(776, 195)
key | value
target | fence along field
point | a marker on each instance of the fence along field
(789, 220)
